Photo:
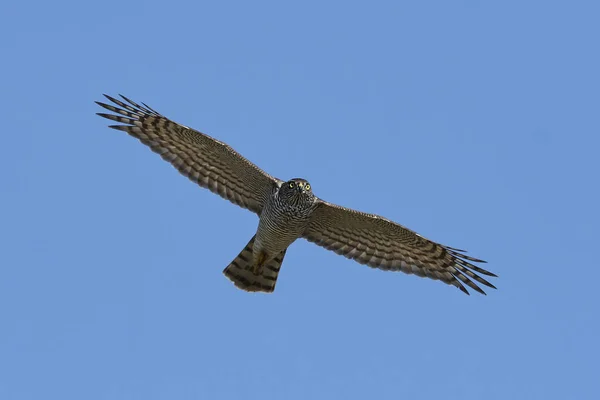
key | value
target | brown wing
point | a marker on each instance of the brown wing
(381, 243)
(208, 162)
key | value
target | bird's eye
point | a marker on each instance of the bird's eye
(307, 186)
(291, 185)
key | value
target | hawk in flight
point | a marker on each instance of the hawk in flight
(289, 210)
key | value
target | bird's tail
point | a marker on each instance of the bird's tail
(241, 272)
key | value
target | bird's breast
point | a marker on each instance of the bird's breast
(278, 227)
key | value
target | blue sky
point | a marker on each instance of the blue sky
(474, 123)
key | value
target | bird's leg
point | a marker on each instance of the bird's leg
(258, 264)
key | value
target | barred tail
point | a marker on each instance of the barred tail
(240, 271)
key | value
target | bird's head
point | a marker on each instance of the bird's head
(296, 191)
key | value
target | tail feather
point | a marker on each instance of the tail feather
(240, 271)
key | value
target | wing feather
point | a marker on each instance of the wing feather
(208, 162)
(380, 243)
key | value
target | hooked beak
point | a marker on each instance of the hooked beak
(301, 187)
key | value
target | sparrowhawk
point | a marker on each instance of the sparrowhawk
(289, 210)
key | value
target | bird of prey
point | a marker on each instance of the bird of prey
(289, 210)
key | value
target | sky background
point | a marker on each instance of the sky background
(474, 123)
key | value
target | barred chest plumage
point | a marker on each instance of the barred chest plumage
(282, 221)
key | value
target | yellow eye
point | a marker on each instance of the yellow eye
(307, 186)
(291, 185)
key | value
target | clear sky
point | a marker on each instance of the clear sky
(475, 123)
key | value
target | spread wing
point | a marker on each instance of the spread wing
(381, 243)
(208, 162)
